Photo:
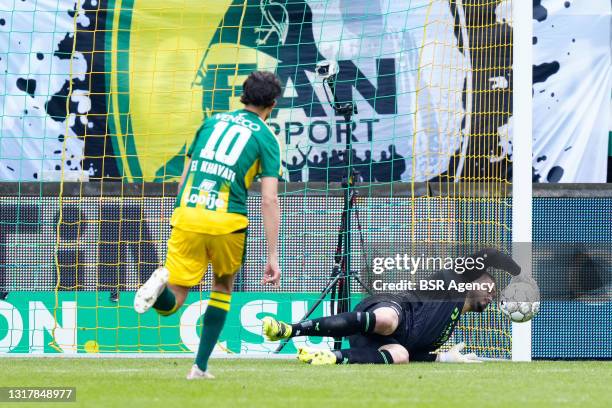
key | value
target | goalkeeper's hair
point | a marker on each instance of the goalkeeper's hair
(261, 88)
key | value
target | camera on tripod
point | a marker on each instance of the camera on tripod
(339, 285)
(326, 69)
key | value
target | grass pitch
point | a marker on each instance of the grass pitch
(137, 383)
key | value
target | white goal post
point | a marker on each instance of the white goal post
(522, 61)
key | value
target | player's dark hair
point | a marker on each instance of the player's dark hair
(261, 88)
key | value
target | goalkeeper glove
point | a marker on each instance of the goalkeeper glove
(453, 355)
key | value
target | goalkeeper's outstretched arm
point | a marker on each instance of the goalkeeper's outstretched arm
(454, 355)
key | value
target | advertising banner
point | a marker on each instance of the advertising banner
(89, 322)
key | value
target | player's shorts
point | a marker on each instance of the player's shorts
(189, 254)
(371, 303)
(373, 340)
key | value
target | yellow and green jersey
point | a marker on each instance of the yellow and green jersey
(229, 151)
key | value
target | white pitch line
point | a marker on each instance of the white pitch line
(224, 356)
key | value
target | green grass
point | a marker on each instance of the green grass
(137, 383)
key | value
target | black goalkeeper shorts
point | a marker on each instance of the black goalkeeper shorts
(373, 340)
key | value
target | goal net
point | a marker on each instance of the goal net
(102, 98)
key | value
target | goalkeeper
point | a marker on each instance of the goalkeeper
(397, 328)
(210, 216)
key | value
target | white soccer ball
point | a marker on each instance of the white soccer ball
(520, 301)
(520, 312)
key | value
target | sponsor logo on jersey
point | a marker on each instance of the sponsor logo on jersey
(209, 200)
(207, 185)
(239, 119)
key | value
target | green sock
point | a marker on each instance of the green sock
(165, 304)
(214, 319)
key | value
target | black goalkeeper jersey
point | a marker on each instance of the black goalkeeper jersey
(428, 323)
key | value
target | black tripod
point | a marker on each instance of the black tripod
(339, 285)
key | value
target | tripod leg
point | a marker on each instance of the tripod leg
(333, 297)
(340, 260)
(343, 284)
(330, 286)
(362, 245)
(363, 285)
(341, 309)
(333, 288)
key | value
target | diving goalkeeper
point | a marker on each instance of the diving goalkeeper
(397, 328)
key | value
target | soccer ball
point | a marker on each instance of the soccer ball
(520, 301)
(520, 312)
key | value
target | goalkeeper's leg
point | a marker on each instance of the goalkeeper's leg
(383, 320)
(387, 354)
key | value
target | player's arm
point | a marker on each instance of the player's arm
(184, 175)
(188, 158)
(454, 355)
(270, 210)
(492, 258)
(422, 356)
